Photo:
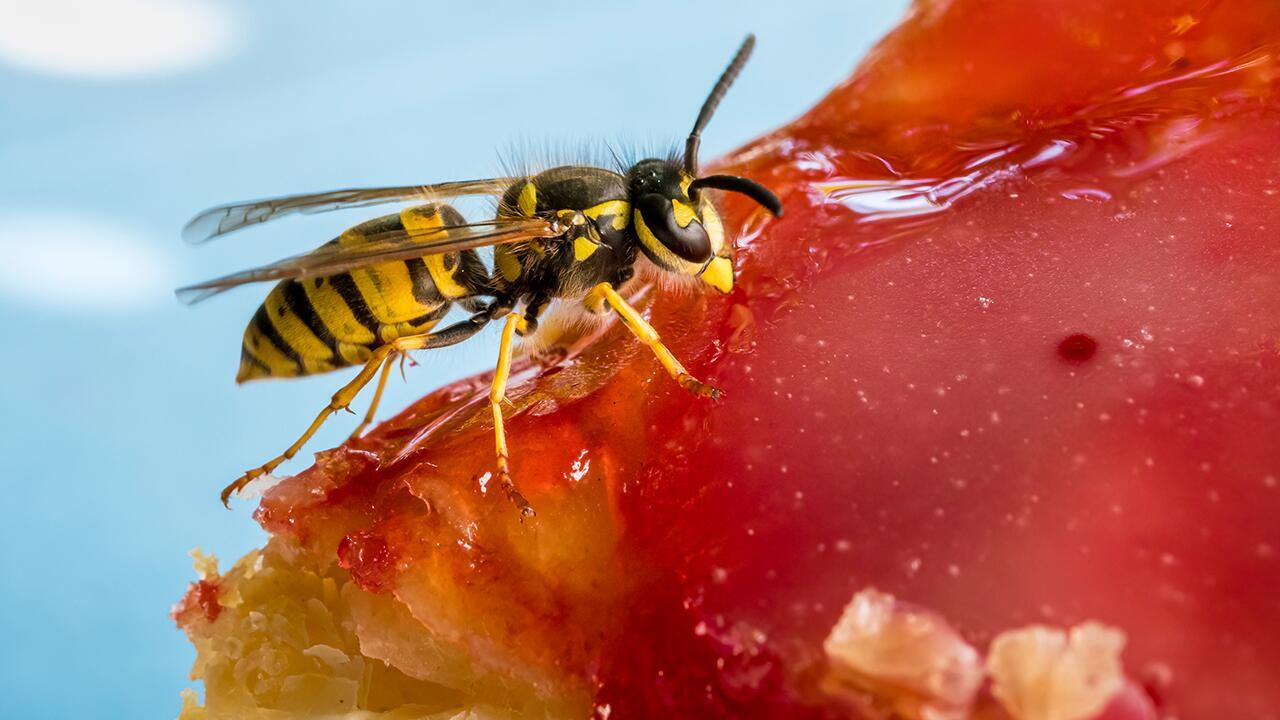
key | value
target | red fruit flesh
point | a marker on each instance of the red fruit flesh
(200, 603)
(1013, 355)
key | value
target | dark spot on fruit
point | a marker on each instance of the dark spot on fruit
(1077, 348)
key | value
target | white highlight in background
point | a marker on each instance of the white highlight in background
(58, 262)
(113, 38)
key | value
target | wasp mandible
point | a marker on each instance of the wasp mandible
(377, 291)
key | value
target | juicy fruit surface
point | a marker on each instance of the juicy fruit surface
(1013, 355)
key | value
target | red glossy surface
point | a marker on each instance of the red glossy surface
(900, 411)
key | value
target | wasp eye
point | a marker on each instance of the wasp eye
(688, 241)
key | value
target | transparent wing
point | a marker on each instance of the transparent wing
(218, 221)
(333, 258)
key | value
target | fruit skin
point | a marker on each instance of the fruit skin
(898, 410)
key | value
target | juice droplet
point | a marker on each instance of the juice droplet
(1077, 348)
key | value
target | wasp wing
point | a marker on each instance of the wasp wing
(218, 221)
(334, 257)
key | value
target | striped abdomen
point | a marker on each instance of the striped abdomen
(315, 325)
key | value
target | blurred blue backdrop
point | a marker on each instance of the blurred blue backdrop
(121, 119)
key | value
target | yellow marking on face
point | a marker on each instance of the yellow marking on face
(685, 182)
(719, 274)
(648, 238)
(619, 209)
(528, 200)
(684, 213)
(507, 263)
(666, 258)
(715, 229)
(583, 249)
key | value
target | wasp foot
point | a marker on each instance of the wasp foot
(697, 387)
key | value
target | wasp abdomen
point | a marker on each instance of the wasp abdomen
(313, 325)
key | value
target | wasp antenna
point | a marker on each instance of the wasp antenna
(709, 107)
(743, 186)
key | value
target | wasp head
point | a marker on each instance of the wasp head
(678, 227)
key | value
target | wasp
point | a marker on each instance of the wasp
(573, 234)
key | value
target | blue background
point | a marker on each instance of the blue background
(121, 422)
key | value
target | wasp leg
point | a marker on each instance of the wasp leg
(472, 304)
(341, 401)
(497, 395)
(377, 396)
(604, 293)
(515, 323)
(451, 335)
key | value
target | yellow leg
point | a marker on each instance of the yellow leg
(497, 395)
(341, 401)
(604, 293)
(377, 395)
(382, 356)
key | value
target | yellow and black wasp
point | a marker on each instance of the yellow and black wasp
(377, 291)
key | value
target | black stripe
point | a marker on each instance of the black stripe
(475, 276)
(296, 299)
(386, 223)
(350, 294)
(432, 316)
(424, 288)
(247, 355)
(451, 217)
(262, 323)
